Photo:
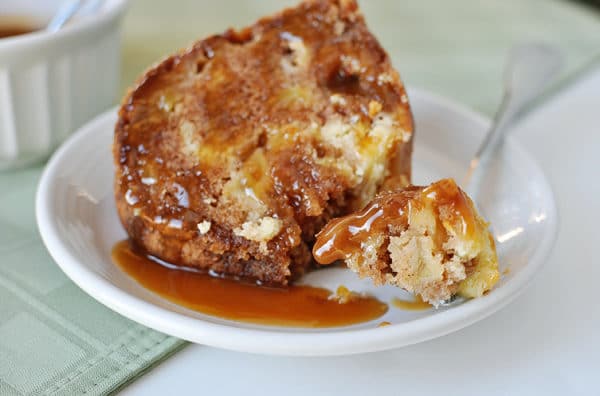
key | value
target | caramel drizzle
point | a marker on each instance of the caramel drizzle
(390, 211)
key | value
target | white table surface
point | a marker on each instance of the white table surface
(546, 342)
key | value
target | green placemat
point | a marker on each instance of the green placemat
(54, 339)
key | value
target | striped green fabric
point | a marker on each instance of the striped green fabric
(56, 340)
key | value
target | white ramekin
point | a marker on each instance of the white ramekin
(51, 83)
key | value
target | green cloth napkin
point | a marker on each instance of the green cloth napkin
(56, 340)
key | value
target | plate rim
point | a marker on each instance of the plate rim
(272, 342)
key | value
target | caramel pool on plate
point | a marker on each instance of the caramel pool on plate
(415, 305)
(294, 306)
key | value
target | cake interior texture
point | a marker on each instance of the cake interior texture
(232, 154)
(427, 240)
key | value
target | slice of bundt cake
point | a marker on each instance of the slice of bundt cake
(230, 156)
(428, 240)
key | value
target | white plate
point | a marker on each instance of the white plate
(79, 225)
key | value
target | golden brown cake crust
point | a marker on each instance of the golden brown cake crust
(232, 154)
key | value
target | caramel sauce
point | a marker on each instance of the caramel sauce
(390, 212)
(458, 210)
(301, 306)
(416, 305)
(343, 236)
(15, 26)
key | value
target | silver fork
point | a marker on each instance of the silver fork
(528, 72)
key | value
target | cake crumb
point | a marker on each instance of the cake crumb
(374, 108)
(337, 99)
(384, 78)
(299, 53)
(350, 65)
(384, 323)
(262, 230)
(209, 200)
(204, 227)
(343, 295)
